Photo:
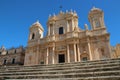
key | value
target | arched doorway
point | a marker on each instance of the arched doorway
(13, 61)
(5, 62)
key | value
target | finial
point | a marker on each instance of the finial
(71, 10)
(3, 48)
(66, 11)
(74, 11)
(94, 8)
(49, 15)
(61, 12)
(86, 26)
(54, 14)
(60, 9)
(37, 21)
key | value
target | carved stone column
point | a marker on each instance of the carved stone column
(68, 54)
(101, 24)
(68, 26)
(37, 58)
(72, 25)
(75, 56)
(78, 49)
(48, 30)
(89, 49)
(47, 55)
(53, 28)
(53, 55)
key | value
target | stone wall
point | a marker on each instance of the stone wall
(12, 56)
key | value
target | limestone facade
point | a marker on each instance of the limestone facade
(13, 56)
(115, 51)
(118, 51)
(66, 42)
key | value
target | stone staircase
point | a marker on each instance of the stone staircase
(91, 70)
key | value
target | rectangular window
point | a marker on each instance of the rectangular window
(61, 30)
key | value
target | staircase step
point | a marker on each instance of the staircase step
(90, 70)
(63, 71)
(70, 75)
(62, 68)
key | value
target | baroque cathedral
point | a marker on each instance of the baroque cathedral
(66, 42)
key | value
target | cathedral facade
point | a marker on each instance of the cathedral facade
(66, 42)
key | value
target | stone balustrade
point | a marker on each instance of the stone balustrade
(68, 35)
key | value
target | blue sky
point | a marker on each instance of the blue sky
(16, 16)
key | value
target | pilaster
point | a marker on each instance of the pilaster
(68, 54)
(68, 26)
(78, 49)
(89, 49)
(53, 55)
(47, 55)
(75, 56)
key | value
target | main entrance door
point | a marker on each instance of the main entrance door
(61, 58)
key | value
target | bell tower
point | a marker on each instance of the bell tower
(96, 18)
(100, 34)
(36, 31)
(32, 53)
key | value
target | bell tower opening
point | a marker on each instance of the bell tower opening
(33, 36)
(61, 58)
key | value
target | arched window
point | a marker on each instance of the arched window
(5, 61)
(33, 36)
(13, 61)
(61, 30)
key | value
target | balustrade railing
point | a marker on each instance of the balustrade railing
(60, 37)
(71, 35)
